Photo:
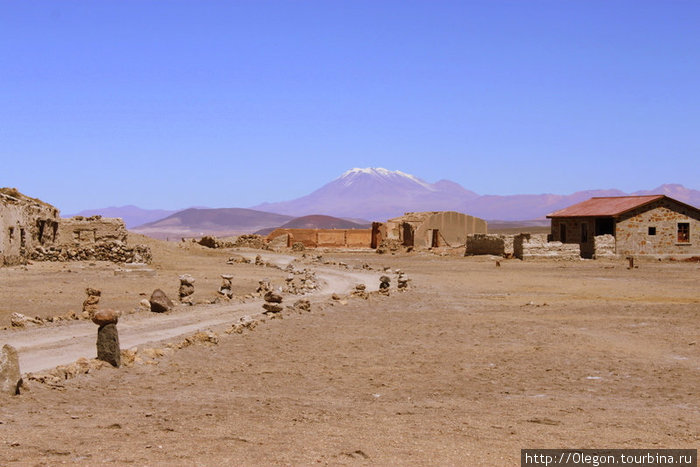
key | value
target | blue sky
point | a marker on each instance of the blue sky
(170, 104)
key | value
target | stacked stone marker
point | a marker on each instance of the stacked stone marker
(186, 288)
(272, 303)
(384, 282)
(91, 302)
(226, 288)
(107, 337)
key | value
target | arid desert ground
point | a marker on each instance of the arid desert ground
(469, 365)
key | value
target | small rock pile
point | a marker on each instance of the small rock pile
(244, 322)
(115, 251)
(384, 283)
(160, 303)
(237, 259)
(259, 261)
(210, 241)
(18, 320)
(186, 288)
(226, 288)
(107, 336)
(273, 303)
(251, 241)
(298, 246)
(389, 246)
(91, 302)
(302, 305)
(300, 282)
(360, 291)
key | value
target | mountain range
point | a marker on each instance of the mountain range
(379, 194)
(370, 193)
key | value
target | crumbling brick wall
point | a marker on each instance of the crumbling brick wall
(531, 246)
(329, 238)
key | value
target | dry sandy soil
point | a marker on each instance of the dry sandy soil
(472, 364)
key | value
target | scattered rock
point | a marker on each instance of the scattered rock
(160, 303)
(298, 246)
(108, 344)
(18, 320)
(302, 305)
(360, 291)
(144, 305)
(10, 377)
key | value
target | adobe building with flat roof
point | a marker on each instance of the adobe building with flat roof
(653, 225)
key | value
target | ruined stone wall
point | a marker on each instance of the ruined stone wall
(24, 224)
(634, 237)
(83, 231)
(331, 238)
(603, 246)
(532, 246)
(489, 244)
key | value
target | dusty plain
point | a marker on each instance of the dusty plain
(470, 365)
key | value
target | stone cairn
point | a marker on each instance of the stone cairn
(402, 281)
(384, 282)
(186, 289)
(107, 336)
(226, 288)
(273, 302)
(91, 302)
(259, 261)
(160, 303)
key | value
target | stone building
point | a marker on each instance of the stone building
(25, 223)
(31, 229)
(428, 229)
(654, 225)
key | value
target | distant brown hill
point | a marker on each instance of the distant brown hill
(224, 221)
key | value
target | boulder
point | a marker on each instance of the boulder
(10, 377)
(272, 297)
(103, 317)
(160, 303)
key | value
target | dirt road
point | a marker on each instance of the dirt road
(46, 347)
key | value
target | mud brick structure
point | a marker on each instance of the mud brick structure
(329, 238)
(25, 223)
(429, 229)
(654, 225)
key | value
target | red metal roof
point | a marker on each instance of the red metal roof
(608, 206)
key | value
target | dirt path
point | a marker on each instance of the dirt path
(46, 347)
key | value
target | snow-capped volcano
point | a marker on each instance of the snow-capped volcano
(375, 193)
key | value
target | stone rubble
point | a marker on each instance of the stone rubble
(114, 251)
(360, 291)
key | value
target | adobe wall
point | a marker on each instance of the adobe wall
(633, 236)
(330, 238)
(452, 226)
(533, 246)
(24, 223)
(489, 244)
